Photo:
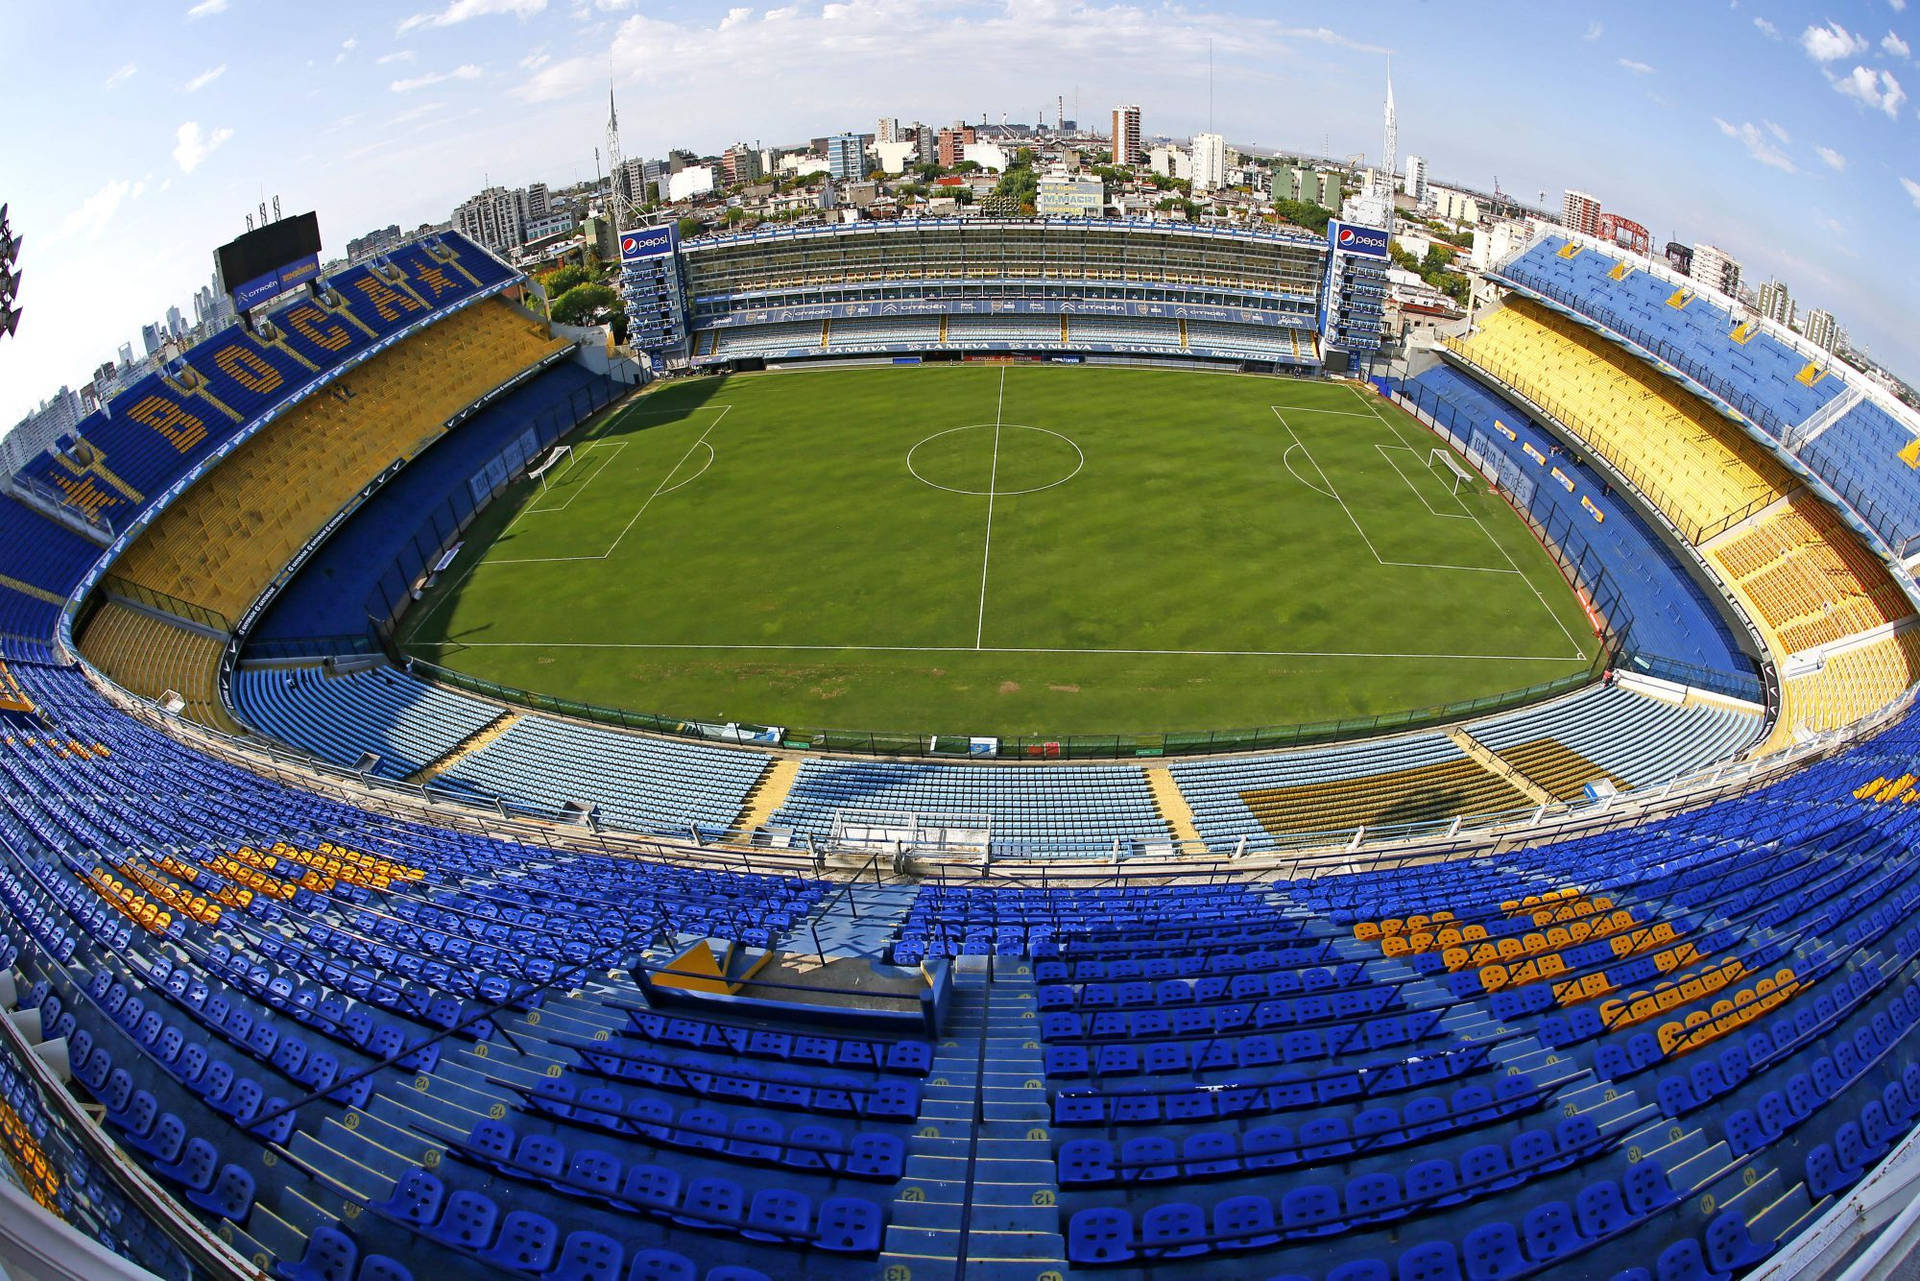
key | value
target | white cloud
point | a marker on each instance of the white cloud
(1831, 158)
(412, 114)
(398, 55)
(1777, 131)
(120, 76)
(206, 78)
(458, 11)
(1913, 191)
(1766, 28)
(1899, 6)
(1876, 89)
(96, 211)
(1894, 45)
(1023, 41)
(1594, 30)
(1831, 43)
(194, 146)
(536, 60)
(465, 72)
(207, 8)
(1754, 139)
(347, 46)
(1637, 68)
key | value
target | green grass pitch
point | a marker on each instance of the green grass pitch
(1004, 549)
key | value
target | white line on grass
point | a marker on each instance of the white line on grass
(1358, 528)
(1286, 460)
(1459, 515)
(413, 632)
(993, 479)
(661, 488)
(1019, 649)
(604, 459)
(1552, 613)
(1307, 409)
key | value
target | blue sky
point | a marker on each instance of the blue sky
(140, 135)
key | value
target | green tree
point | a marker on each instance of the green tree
(560, 280)
(1019, 186)
(1304, 213)
(689, 227)
(585, 305)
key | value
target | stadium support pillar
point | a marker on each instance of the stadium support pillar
(1453, 829)
(1240, 846)
(1359, 835)
(813, 853)
(693, 830)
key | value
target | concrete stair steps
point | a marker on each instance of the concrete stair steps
(423, 1116)
(338, 1171)
(243, 1240)
(574, 1016)
(1696, 1170)
(303, 1208)
(274, 1234)
(1771, 1219)
(471, 1086)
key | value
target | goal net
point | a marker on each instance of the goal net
(547, 464)
(1442, 461)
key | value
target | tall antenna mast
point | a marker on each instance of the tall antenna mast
(1390, 158)
(620, 206)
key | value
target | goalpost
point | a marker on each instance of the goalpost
(552, 459)
(1462, 474)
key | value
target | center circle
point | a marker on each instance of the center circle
(995, 458)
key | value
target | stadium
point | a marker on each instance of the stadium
(1165, 803)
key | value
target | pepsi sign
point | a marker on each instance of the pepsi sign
(1368, 242)
(648, 242)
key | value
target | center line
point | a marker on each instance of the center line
(993, 477)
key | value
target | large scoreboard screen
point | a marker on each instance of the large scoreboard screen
(271, 259)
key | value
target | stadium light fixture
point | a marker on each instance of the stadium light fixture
(9, 275)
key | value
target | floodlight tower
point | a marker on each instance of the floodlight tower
(9, 276)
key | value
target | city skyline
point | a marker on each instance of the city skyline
(1788, 152)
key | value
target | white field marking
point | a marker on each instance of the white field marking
(1305, 409)
(993, 477)
(1498, 545)
(604, 459)
(659, 489)
(703, 468)
(1011, 493)
(641, 411)
(1397, 564)
(1020, 649)
(1462, 514)
(413, 632)
(1286, 460)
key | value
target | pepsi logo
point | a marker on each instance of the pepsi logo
(1346, 235)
